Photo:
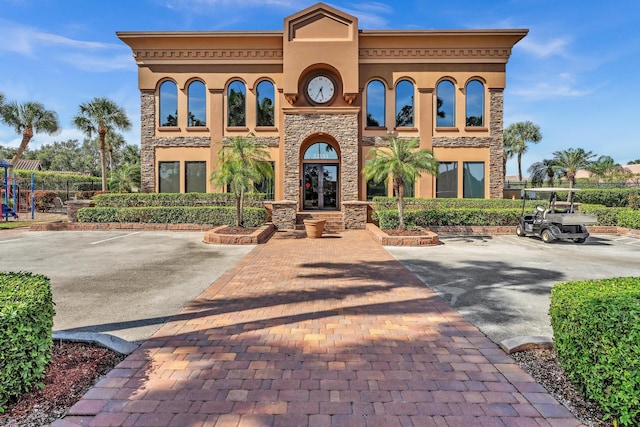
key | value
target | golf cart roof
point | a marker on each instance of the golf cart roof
(553, 189)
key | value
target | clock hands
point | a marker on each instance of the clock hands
(320, 95)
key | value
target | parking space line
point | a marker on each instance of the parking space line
(114, 238)
(11, 240)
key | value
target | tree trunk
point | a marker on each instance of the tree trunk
(239, 204)
(520, 167)
(103, 159)
(27, 134)
(572, 178)
(400, 192)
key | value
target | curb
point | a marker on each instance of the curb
(105, 340)
(523, 343)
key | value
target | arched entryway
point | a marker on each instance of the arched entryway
(320, 172)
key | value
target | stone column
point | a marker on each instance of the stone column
(496, 147)
(147, 134)
(354, 215)
(283, 214)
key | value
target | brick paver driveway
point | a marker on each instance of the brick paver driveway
(321, 332)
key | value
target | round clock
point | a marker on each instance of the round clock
(320, 89)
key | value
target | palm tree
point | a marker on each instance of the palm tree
(539, 171)
(404, 161)
(518, 135)
(101, 115)
(241, 163)
(113, 141)
(126, 178)
(28, 119)
(570, 161)
(605, 168)
(507, 153)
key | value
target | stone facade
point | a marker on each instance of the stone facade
(341, 127)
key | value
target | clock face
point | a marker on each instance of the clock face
(320, 89)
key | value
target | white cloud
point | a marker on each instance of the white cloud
(552, 47)
(48, 47)
(546, 90)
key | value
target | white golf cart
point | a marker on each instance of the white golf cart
(556, 221)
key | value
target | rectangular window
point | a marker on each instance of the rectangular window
(376, 189)
(169, 177)
(447, 181)
(267, 185)
(195, 177)
(473, 180)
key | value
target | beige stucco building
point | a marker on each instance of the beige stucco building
(320, 94)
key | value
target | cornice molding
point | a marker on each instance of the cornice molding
(263, 55)
(375, 54)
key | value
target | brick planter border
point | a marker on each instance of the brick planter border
(428, 239)
(261, 235)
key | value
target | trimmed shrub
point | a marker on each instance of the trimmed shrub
(135, 200)
(634, 201)
(596, 326)
(44, 199)
(606, 216)
(452, 217)
(610, 197)
(26, 319)
(629, 219)
(212, 215)
(389, 203)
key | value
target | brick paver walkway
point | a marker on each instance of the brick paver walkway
(319, 332)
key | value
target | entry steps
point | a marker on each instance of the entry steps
(334, 220)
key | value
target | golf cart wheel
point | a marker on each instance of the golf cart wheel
(519, 231)
(546, 236)
(581, 240)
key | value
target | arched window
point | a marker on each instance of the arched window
(265, 100)
(236, 104)
(375, 104)
(445, 104)
(320, 151)
(404, 104)
(197, 100)
(474, 103)
(168, 111)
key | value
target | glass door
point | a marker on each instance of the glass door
(320, 186)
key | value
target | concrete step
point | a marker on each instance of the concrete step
(334, 222)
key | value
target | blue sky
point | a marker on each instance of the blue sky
(576, 74)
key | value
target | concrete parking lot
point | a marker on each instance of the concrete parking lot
(502, 284)
(122, 283)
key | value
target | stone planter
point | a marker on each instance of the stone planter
(314, 227)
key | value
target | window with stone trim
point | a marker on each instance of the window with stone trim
(376, 99)
(474, 100)
(447, 180)
(195, 177)
(445, 104)
(404, 104)
(265, 104)
(473, 180)
(168, 100)
(168, 177)
(197, 104)
(236, 104)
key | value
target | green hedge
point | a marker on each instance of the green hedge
(596, 326)
(606, 216)
(26, 319)
(389, 203)
(453, 217)
(136, 200)
(212, 215)
(629, 219)
(610, 197)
